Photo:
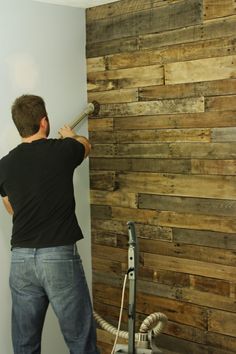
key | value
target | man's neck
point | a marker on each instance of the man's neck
(34, 137)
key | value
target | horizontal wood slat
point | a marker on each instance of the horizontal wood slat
(192, 266)
(218, 8)
(201, 70)
(151, 165)
(208, 88)
(203, 32)
(180, 14)
(167, 150)
(114, 96)
(182, 105)
(187, 51)
(205, 238)
(124, 7)
(152, 136)
(221, 187)
(190, 120)
(222, 322)
(125, 78)
(183, 205)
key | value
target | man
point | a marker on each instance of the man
(36, 184)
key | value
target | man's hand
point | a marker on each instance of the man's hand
(7, 205)
(67, 132)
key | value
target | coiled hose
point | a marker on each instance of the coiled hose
(154, 322)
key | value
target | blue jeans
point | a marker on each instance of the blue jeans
(52, 275)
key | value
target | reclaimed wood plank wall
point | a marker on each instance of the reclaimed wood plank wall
(164, 156)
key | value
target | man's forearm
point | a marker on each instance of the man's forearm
(67, 132)
(85, 142)
(7, 205)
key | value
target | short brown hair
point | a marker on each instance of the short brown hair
(27, 112)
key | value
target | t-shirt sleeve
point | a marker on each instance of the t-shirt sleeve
(74, 151)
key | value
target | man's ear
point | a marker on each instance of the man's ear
(44, 122)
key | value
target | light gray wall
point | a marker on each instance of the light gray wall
(42, 51)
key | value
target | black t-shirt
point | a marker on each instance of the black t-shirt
(37, 177)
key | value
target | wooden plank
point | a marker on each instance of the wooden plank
(134, 59)
(220, 341)
(200, 186)
(116, 198)
(103, 180)
(107, 163)
(108, 150)
(110, 226)
(140, 216)
(209, 285)
(185, 332)
(165, 277)
(188, 295)
(96, 64)
(222, 322)
(170, 344)
(200, 253)
(147, 304)
(107, 266)
(184, 205)
(218, 8)
(101, 124)
(125, 78)
(206, 31)
(104, 238)
(172, 106)
(112, 253)
(186, 51)
(124, 7)
(205, 238)
(152, 232)
(152, 136)
(143, 230)
(169, 150)
(180, 14)
(128, 73)
(221, 103)
(140, 164)
(208, 88)
(113, 46)
(191, 266)
(197, 221)
(190, 120)
(100, 211)
(201, 70)
(224, 134)
(214, 167)
(114, 96)
(177, 220)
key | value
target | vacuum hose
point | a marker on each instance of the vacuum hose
(154, 322)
